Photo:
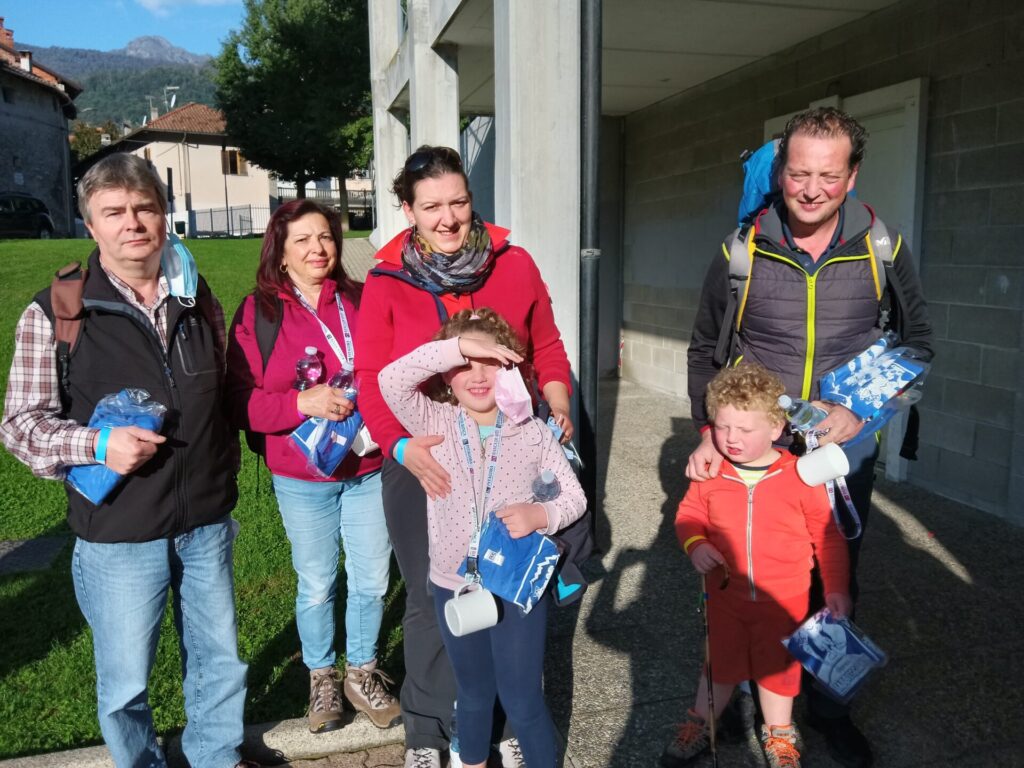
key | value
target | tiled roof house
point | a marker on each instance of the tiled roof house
(205, 173)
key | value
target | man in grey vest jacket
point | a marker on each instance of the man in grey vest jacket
(812, 301)
(167, 526)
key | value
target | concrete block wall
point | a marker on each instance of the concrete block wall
(683, 180)
(34, 144)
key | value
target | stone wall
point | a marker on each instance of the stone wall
(683, 179)
(34, 152)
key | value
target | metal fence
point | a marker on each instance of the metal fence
(359, 200)
(361, 203)
(236, 221)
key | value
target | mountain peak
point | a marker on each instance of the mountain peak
(156, 48)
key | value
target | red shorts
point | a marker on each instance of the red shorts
(746, 641)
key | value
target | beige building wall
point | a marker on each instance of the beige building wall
(199, 182)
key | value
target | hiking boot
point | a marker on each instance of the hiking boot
(366, 689)
(325, 712)
(779, 745)
(846, 744)
(692, 739)
(422, 757)
(511, 754)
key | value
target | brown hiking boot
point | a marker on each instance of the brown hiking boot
(325, 712)
(366, 689)
(692, 739)
(779, 744)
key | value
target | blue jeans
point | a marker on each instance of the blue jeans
(122, 591)
(507, 662)
(317, 518)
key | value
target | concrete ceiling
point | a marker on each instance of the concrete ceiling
(653, 49)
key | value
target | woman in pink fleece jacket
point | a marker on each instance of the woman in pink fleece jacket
(506, 660)
(302, 287)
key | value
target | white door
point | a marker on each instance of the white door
(891, 181)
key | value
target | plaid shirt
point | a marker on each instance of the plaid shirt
(32, 428)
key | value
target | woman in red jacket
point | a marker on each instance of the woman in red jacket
(447, 260)
(301, 285)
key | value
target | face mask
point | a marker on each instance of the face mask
(511, 395)
(179, 267)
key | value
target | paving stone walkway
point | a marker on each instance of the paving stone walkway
(26, 555)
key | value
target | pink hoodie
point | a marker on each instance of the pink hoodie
(526, 450)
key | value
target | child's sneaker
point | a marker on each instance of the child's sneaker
(779, 744)
(693, 738)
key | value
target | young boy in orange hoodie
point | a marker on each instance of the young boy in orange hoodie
(759, 523)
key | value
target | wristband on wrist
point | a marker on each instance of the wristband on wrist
(398, 452)
(101, 445)
(693, 540)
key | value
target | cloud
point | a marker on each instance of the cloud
(166, 7)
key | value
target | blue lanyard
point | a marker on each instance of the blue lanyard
(328, 334)
(479, 505)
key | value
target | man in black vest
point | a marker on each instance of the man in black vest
(167, 526)
(811, 303)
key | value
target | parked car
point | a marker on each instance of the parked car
(22, 215)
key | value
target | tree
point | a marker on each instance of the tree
(86, 139)
(294, 84)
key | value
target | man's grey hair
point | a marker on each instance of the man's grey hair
(120, 171)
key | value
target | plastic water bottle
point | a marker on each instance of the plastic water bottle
(546, 486)
(802, 416)
(345, 379)
(308, 370)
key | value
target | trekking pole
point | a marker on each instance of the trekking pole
(712, 719)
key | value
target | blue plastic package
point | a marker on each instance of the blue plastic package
(325, 443)
(836, 653)
(516, 570)
(127, 408)
(873, 384)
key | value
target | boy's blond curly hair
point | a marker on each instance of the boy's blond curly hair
(747, 387)
(483, 320)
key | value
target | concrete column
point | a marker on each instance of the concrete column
(537, 124)
(390, 136)
(434, 85)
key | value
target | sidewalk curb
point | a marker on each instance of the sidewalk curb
(282, 740)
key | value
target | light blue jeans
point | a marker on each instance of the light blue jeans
(122, 591)
(317, 518)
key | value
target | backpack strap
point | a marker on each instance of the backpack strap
(881, 249)
(738, 248)
(67, 310)
(267, 330)
(442, 313)
(890, 292)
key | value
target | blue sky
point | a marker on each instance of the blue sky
(195, 25)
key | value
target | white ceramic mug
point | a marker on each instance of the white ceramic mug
(826, 463)
(471, 609)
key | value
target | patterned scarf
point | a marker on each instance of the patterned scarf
(461, 272)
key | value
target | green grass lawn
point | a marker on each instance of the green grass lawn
(47, 684)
